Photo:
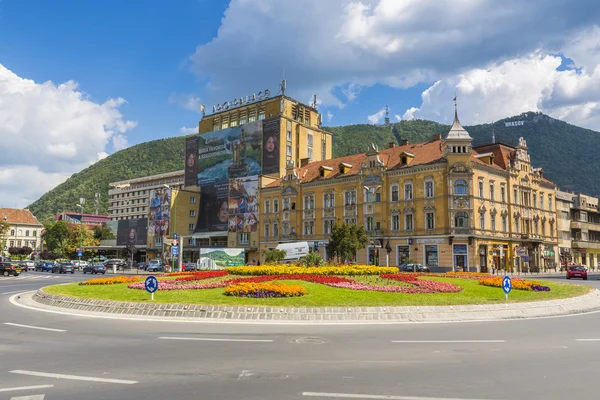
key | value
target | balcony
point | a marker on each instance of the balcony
(461, 231)
(309, 214)
(329, 212)
(531, 237)
(584, 244)
(585, 225)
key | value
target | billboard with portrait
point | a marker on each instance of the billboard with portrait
(243, 204)
(160, 212)
(132, 232)
(191, 161)
(229, 153)
(271, 152)
(219, 258)
(213, 214)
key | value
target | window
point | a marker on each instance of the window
(408, 222)
(461, 220)
(192, 213)
(276, 205)
(369, 194)
(242, 120)
(350, 221)
(289, 150)
(191, 227)
(408, 192)
(492, 194)
(395, 194)
(534, 204)
(428, 189)
(551, 229)
(328, 199)
(309, 203)
(481, 188)
(18, 243)
(542, 201)
(564, 214)
(267, 206)
(193, 200)
(504, 224)
(482, 221)
(369, 223)
(12, 243)
(252, 116)
(261, 115)
(431, 255)
(310, 153)
(233, 123)
(27, 233)
(289, 131)
(327, 226)
(34, 233)
(493, 222)
(517, 224)
(33, 244)
(515, 196)
(460, 188)
(267, 229)
(309, 227)
(12, 232)
(503, 193)
(395, 222)
(429, 220)
(244, 238)
(550, 202)
(275, 229)
(309, 139)
(286, 204)
(377, 197)
(323, 150)
(350, 197)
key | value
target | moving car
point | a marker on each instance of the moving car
(155, 266)
(29, 265)
(8, 268)
(63, 268)
(413, 268)
(44, 266)
(95, 268)
(110, 264)
(190, 267)
(577, 271)
(142, 265)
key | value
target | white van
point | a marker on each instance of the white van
(294, 250)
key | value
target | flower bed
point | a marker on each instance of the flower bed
(517, 283)
(111, 281)
(324, 270)
(199, 276)
(264, 290)
(172, 285)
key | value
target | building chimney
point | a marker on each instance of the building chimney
(304, 162)
(437, 136)
(404, 142)
(392, 145)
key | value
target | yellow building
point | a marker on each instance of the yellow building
(441, 203)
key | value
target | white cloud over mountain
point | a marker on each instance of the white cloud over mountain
(48, 132)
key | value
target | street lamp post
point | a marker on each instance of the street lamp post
(80, 233)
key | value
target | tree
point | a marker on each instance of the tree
(26, 251)
(4, 228)
(78, 236)
(313, 259)
(273, 256)
(345, 240)
(48, 255)
(103, 232)
(55, 235)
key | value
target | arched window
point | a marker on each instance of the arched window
(461, 220)
(27, 233)
(12, 232)
(460, 187)
(267, 206)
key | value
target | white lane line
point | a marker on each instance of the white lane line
(34, 327)
(72, 377)
(375, 396)
(215, 339)
(448, 341)
(11, 389)
(245, 374)
(34, 397)
(14, 291)
(587, 340)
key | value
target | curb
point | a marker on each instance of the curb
(330, 315)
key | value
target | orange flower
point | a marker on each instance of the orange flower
(111, 281)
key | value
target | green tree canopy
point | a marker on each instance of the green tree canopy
(345, 240)
(273, 256)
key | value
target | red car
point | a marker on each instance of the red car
(577, 271)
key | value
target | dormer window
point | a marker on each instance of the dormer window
(403, 160)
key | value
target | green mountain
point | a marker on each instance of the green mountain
(567, 154)
(150, 158)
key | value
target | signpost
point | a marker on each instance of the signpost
(79, 254)
(151, 285)
(506, 286)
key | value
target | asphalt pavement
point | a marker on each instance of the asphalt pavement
(52, 356)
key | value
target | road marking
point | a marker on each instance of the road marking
(34, 327)
(72, 377)
(16, 291)
(11, 389)
(375, 396)
(448, 341)
(216, 339)
(245, 374)
(34, 397)
(587, 340)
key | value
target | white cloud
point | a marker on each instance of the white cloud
(530, 83)
(349, 44)
(119, 142)
(377, 117)
(329, 116)
(187, 101)
(50, 131)
(184, 130)
(398, 118)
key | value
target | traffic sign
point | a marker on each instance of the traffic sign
(79, 254)
(151, 285)
(506, 284)
(174, 236)
(174, 250)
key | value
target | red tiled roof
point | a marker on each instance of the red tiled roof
(503, 154)
(18, 216)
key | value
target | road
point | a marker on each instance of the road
(118, 359)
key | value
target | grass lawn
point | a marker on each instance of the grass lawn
(322, 296)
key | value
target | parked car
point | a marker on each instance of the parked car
(110, 264)
(95, 268)
(9, 268)
(28, 265)
(190, 267)
(155, 266)
(577, 271)
(63, 268)
(413, 268)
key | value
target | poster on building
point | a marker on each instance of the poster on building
(271, 138)
(219, 258)
(191, 161)
(160, 212)
(213, 214)
(132, 232)
(229, 153)
(243, 204)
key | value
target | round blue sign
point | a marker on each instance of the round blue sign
(506, 284)
(151, 284)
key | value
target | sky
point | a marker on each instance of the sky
(80, 80)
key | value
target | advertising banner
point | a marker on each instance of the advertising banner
(243, 204)
(132, 232)
(219, 258)
(191, 162)
(229, 153)
(271, 136)
(213, 214)
(160, 212)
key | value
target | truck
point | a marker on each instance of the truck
(293, 250)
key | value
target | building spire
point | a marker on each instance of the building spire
(457, 132)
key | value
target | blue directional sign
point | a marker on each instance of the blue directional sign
(79, 254)
(506, 284)
(151, 284)
(174, 250)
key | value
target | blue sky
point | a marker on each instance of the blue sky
(82, 79)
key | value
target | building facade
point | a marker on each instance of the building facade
(442, 203)
(564, 205)
(585, 231)
(25, 230)
(90, 220)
